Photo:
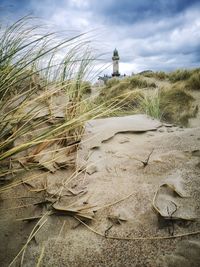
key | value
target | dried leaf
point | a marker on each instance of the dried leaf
(85, 212)
(170, 205)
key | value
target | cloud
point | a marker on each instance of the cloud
(130, 12)
(153, 35)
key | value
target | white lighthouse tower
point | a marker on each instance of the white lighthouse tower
(115, 60)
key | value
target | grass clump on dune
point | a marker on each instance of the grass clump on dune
(86, 88)
(168, 104)
(182, 74)
(138, 82)
(150, 104)
(129, 100)
(111, 82)
(193, 82)
(131, 83)
(126, 92)
(179, 75)
(120, 93)
(176, 105)
(160, 75)
(117, 88)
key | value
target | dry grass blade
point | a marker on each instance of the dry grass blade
(40, 257)
(32, 234)
(137, 238)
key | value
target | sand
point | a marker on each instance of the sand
(118, 191)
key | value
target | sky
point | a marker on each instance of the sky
(149, 34)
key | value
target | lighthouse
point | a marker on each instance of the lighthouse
(115, 60)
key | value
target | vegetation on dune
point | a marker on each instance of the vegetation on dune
(113, 90)
(126, 93)
(179, 75)
(110, 83)
(176, 105)
(138, 82)
(191, 78)
(32, 78)
(128, 101)
(150, 104)
(118, 93)
(160, 75)
(130, 83)
(193, 82)
(172, 104)
(86, 87)
(168, 104)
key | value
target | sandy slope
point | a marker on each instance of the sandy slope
(118, 191)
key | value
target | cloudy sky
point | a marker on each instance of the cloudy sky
(149, 34)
